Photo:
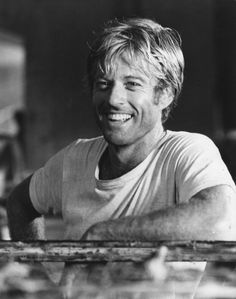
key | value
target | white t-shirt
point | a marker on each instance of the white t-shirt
(180, 166)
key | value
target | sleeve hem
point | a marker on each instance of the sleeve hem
(33, 195)
(199, 188)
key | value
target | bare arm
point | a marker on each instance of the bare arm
(208, 216)
(25, 223)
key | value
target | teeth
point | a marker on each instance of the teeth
(121, 117)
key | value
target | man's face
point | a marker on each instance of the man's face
(127, 105)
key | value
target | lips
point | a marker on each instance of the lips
(114, 117)
(118, 116)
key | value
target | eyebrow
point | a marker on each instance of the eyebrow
(135, 77)
(103, 77)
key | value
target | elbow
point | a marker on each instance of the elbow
(22, 223)
(225, 231)
(224, 228)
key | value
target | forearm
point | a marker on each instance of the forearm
(166, 224)
(27, 230)
(22, 226)
(198, 220)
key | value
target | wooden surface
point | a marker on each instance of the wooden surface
(102, 251)
(128, 281)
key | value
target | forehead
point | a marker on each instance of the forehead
(127, 65)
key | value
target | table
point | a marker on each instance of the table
(218, 281)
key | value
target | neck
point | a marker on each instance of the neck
(118, 160)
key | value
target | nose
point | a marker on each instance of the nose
(117, 95)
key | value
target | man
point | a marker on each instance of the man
(139, 181)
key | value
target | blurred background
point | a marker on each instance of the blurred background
(44, 102)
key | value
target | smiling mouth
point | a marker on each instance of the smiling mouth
(117, 117)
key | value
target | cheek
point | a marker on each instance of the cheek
(100, 97)
(147, 104)
(97, 100)
(151, 113)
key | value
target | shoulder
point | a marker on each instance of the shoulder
(198, 164)
(85, 147)
(82, 155)
(184, 138)
(185, 142)
(88, 142)
(70, 156)
(191, 149)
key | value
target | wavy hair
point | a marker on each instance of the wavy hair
(141, 38)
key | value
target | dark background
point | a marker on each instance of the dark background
(53, 35)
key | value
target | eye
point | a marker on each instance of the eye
(132, 85)
(102, 84)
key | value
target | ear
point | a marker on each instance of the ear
(164, 97)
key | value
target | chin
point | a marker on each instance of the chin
(116, 140)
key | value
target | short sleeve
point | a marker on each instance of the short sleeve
(46, 186)
(199, 166)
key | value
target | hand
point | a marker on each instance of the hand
(96, 232)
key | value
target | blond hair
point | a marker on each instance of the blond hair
(140, 38)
